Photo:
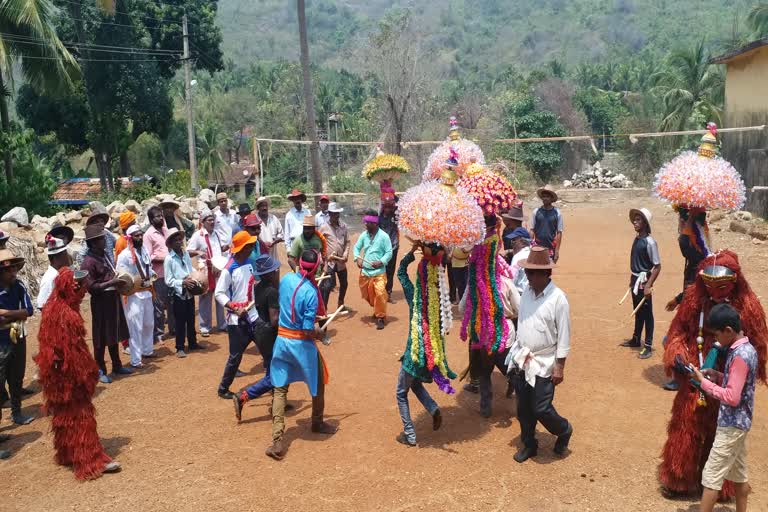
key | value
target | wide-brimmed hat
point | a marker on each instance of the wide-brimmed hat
(240, 240)
(296, 193)
(335, 208)
(309, 222)
(54, 245)
(66, 233)
(251, 220)
(261, 200)
(244, 209)
(169, 203)
(643, 212)
(93, 231)
(172, 233)
(205, 213)
(265, 264)
(98, 214)
(221, 195)
(538, 259)
(547, 189)
(514, 213)
(8, 259)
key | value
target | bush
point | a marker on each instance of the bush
(33, 184)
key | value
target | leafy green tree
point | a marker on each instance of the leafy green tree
(33, 183)
(758, 20)
(210, 162)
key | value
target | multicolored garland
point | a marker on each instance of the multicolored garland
(494, 193)
(430, 322)
(698, 230)
(483, 322)
(470, 153)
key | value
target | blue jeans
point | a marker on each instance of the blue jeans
(264, 385)
(405, 383)
(239, 338)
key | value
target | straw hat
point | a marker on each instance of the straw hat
(643, 212)
(547, 189)
(172, 233)
(538, 259)
(296, 194)
(309, 221)
(335, 208)
(262, 200)
(221, 195)
(8, 260)
(169, 202)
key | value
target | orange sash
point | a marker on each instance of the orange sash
(301, 335)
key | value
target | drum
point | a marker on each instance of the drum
(201, 282)
(126, 284)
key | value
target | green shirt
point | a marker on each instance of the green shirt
(378, 248)
(301, 244)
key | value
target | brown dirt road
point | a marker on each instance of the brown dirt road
(182, 449)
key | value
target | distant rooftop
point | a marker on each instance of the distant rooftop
(740, 53)
(81, 191)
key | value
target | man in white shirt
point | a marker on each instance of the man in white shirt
(294, 219)
(323, 216)
(271, 229)
(206, 245)
(539, 354)
(227, 221)
(139, 309)
(58, 257)
(234, 291)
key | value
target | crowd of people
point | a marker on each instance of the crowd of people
(170, 279)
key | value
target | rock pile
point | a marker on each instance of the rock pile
(597, 177)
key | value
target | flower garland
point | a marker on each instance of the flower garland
(385, 167)
(483, 323)
(469, 153)
(492, 192)
(446, 310)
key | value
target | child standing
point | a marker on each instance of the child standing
(645, 266)
(735, 388)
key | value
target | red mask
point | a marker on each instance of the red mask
(720, 292)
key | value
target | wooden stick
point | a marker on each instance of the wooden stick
(327, 276)
(638, 307)
(625, 296)
(331, 317)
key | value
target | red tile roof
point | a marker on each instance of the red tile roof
(83, 189)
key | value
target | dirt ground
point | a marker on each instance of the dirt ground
(182, 449)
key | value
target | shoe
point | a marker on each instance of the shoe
(471, 388)
(239, 402)
(123, 370)
(562, 441)
(646, 353)
(196, 346)
(104, 378)
(205, 334)
(112, 467)
(403, 439)
(20, 419)
(324, 428)
(277, 450)
(671, 385)
(4, 438)
(633, 343)
(226, 395)
(5, 454)
(240, 374)
(27, 391)
(181, 354)
(525, 453)
(379, 324)
(437, 420)
(137, 366)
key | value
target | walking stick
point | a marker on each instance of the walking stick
(625, 296)
(327, 339)
(639, 306)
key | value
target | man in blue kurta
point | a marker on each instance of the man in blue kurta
(295, 357)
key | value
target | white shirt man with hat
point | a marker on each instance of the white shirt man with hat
(205, 244)
(294, 219)
(539, 354)
(58, 256)
(323, 216)
(227, 221)
(139, 309)
(336, 235)
(178, 267)
(271, 228)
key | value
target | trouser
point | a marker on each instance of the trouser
(459, 281)
(114, 355)
(184, 316)
(451, 281)
(483, 364)
(373, 290)
(265, 341)
(405, 383)
(391, 271)
(239, 338)
(534, 404)
(280, 398)
(644, 316)
(327, 285)
(205, 307)
(162, 303)
(139, 313)
(12, 361)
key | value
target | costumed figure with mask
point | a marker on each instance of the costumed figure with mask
(68, 376)
(692, 427)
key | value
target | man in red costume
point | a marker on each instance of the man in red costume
(691, 430)
(68, 375)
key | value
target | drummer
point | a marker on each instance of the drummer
(139, 310)
(177, 267)
(206, 245)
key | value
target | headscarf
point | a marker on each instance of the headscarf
(307, 269)
(126, 218)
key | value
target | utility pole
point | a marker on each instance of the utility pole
(188, 98)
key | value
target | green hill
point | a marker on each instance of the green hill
(476, 34)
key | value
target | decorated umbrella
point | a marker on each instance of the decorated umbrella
(384, 168)
(493, 193)
(470, 153)
(696, 182)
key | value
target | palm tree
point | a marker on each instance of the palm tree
(210, 162)
(689, 85)
(309, 100)
(758, 20)
(28, 35)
